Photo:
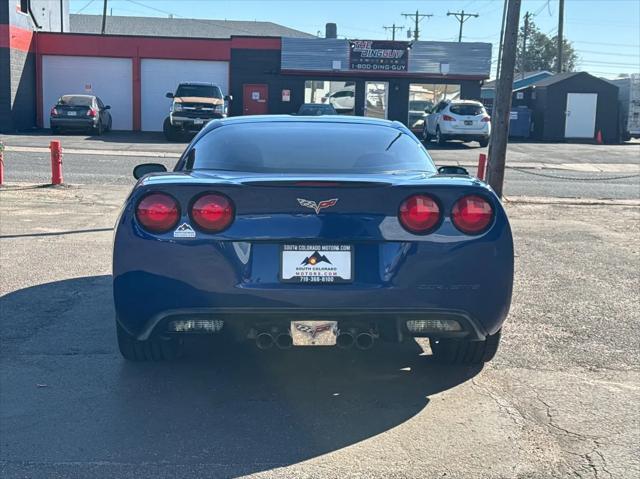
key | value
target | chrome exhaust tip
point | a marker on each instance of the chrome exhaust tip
(364, 341)
(345, 340)
(264, 340)
(284, 341)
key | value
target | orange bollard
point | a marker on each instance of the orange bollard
(599, 137)
(482, 166)
(56, 162)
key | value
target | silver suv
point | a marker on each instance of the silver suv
(465, 120)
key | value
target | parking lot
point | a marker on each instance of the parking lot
(559, 400)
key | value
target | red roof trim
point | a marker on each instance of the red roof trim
(134, 46)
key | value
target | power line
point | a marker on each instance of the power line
(418, 17)
(393, 29)
(462, 17)
(607, 44)
(85, 7)
(636, 55)
(155, 9)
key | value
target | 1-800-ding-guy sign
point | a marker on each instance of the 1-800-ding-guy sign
(378, 55)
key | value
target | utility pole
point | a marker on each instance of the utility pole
(523, 60)
(393, 29)
(560, 39)
(462, 17)
(104, 17)
(504, 16)
(418, 17)
(502, 110)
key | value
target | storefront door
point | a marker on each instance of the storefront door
(376, 99)
(255, 99)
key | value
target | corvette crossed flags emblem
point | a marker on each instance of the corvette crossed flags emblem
(317, 206)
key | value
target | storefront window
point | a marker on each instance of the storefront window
(424, 97)
(339, 94)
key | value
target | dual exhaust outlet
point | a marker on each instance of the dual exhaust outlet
(346, 339)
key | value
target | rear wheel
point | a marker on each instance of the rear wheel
(98, 129)
(484, 142)
(439, 138)
(426, 137)
(155, 349)
(55, 130)
(459, 351)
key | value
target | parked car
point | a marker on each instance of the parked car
(418, 110)
(193, 105)
(310, 231)
(342, 100)
(80, 112)
(464, 120)
(316, 109)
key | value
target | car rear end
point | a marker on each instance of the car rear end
(74, 112)
(277, 257)
(466, 121)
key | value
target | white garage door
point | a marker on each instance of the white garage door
(162, 76)
(107, 78)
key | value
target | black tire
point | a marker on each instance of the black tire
(110, 124)
(439, 139)
(156, 349)
(484, 142)
(55, 130)
(459, 351)
(98, 129)
(169, 131)
(426, 137)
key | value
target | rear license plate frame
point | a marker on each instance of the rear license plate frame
(306, 251)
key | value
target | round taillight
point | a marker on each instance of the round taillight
(212, 212)
(158, 212)
(419, 214)
(472, 214)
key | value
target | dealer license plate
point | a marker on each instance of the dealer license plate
(198, 122)
(72, 113)
(314, 264)
(314, 333)
(468, 122)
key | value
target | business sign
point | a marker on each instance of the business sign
(378, 55)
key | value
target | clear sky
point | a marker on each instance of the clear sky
(605, 33)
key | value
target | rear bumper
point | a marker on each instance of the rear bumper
(390, 322)
(73, 123)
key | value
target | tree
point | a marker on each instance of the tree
(541, 51)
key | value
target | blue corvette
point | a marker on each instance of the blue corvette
(327, 231)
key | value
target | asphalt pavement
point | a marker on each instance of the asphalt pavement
(559, 400)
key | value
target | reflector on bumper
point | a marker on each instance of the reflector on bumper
(433, 325)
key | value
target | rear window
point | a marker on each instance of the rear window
(70, 100)
(468, 109)
(310, 147)
(317, 110)
(205, 91)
